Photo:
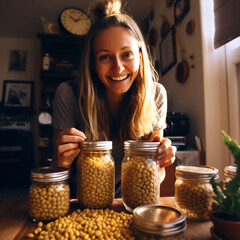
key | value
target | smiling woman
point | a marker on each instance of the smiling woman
(116, 97)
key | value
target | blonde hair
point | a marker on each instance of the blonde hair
(140, 111)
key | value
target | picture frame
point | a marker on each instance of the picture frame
(168, 54)
(17, 94)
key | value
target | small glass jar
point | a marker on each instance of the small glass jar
(95, 174)
(49, 193)
(193, 190)
(155, 222)
(230, 172)
(140, 176)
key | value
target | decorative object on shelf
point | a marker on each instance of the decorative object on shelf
(74, 21)
(165, 28)
(190, 27)
(145, 26)
(45, 118)
(49, 27)
(17, 94)
(153, 36)
(46, 62)
(225, 214)
(168, 55)
(181, 8)
(169, 3)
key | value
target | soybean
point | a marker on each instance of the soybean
(95, 180)
(194, 197)
(48, 201)
(140, 182)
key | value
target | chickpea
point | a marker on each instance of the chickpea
(89, 224)
(44, 207)
(95, 180)
(140, 182)
(194, 197)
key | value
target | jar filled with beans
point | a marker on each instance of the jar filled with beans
(95, 174)
(49, 193)
(193, 190)
(140, 176)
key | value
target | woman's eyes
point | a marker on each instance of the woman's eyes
(125, 55)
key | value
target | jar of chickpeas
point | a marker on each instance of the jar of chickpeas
(230, 172)
(49, 193)
(193, 190)
(140, 176)
(95, 174)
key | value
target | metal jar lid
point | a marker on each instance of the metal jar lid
(160, 220)
(143, 146)
(96, 145)
(200, 172)
(230, 171)
(49, 174)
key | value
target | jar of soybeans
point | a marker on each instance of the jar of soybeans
(193, 190)
(230, 172)
(156, 222)
(140, 176)
(95, 174)
(49, 193)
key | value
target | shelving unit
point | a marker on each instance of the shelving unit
(64, 53)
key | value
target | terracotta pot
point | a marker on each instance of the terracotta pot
(225, 229)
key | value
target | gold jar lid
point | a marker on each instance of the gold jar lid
(96, 145)
(142, 146)
(49, 174)
(160, 220)
(230, 171)
(200, 172)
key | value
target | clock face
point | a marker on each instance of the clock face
(74, 21)
(45, 118)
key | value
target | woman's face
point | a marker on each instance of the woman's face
(117, 59)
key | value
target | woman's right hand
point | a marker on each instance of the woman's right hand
(67, 145)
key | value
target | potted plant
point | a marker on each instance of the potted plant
(225, 213)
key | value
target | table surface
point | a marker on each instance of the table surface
(15, 222)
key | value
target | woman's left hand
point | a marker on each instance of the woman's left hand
(166, 152)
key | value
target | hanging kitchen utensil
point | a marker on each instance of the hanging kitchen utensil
(153, 36)
(165, 28)
(182, 70)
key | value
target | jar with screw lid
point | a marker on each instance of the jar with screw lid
(95, 174)
(49, 193)
(193, 190)
(156, 222)
(140, 176)
(230, 172)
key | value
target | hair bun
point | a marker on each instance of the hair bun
(102, 8)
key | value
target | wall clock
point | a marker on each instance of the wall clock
(181, 8)
(74, 21)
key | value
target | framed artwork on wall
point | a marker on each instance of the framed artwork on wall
(17, 94)
(168, 54)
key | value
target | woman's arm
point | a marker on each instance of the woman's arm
(66, 146)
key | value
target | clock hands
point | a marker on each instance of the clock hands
(74, 19)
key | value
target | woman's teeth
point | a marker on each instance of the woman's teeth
(119, 78)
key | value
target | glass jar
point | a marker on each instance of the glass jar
(140, 176)
(230, 172)
(95, 174)
(155, 222)
(49, 193)
(193, 190)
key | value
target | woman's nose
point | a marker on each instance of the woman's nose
(118, 65)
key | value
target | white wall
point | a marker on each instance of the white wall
(29, 45)
(185, 97)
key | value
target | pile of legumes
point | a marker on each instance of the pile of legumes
(49, 193)
(87, 224)
(95, 175)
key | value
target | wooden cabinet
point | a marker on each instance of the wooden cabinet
(62, 53)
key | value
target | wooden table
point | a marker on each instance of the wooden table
(15, 223)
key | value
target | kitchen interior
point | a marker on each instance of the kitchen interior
(192, 70)
(201, 79)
